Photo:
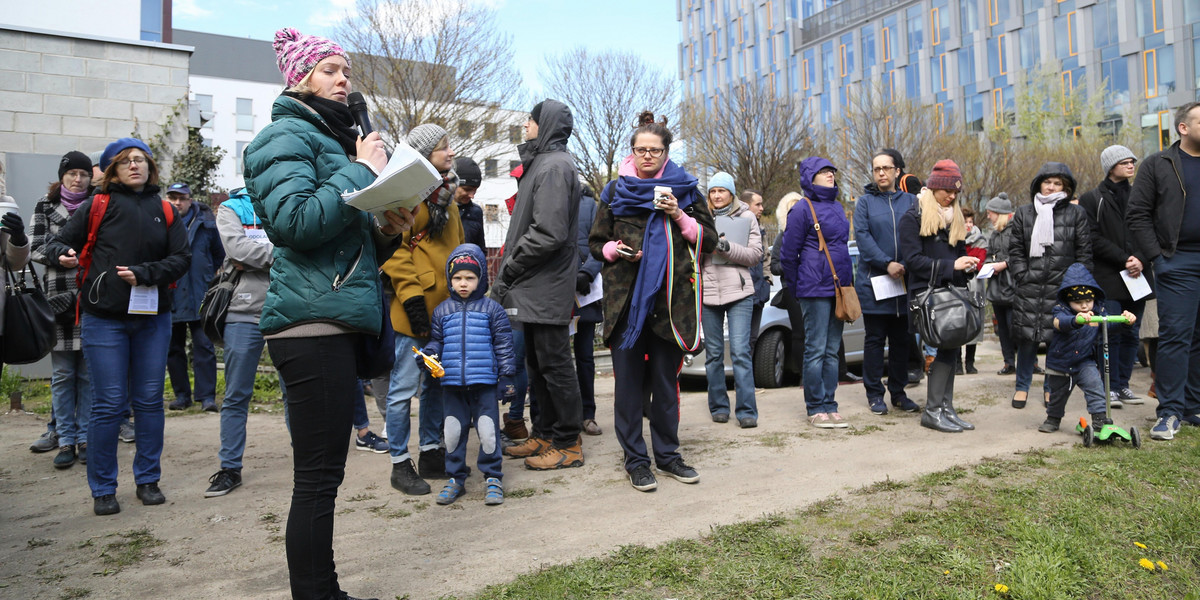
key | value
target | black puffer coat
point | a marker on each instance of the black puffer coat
(1037, 279)
(1000, 289)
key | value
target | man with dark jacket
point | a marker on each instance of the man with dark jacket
(536, 284)
(1164, 216)
(469, 180)
(876, 216)
(1115, 250)
(207, 256)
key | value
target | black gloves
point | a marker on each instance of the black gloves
(722, 244)
(418, 317)
(12, 224)
(583, 282)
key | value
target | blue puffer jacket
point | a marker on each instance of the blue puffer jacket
(805, 266)
(876, 224)
(472, 335)
(207, 256)
(1073, 345)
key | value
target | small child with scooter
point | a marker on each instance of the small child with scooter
(1071, 354)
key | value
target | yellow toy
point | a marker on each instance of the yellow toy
(435, 367)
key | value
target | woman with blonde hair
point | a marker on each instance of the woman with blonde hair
(933, 243)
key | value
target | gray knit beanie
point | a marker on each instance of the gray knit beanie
(999, 205)
(425, 138)
(1113, 155)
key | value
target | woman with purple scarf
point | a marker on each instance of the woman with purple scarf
(650, 227)
(70, 385)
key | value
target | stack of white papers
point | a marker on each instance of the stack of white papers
(406, 180)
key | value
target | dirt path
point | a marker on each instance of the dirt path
(388, 544)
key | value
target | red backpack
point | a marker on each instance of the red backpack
(95, 216)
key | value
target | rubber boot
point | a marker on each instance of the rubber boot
(935, 394)
(948, 407)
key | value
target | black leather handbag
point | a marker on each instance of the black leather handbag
(214, 309)
(948, 316)
(28, 319)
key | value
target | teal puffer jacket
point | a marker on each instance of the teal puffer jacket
(325, 268)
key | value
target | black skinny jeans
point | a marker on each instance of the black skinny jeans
(551, 368)
(320, 376)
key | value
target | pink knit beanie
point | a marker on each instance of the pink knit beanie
(297, 53)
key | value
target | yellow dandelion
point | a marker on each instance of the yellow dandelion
(1140, 545)
(1001, 588)
(1146, 564)
(1162, 565)
(945, 572)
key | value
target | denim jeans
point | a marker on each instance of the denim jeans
(320, 374)
(1178, 371)
(1123, 342)
(892, 331)
(476, 404)
(243, 347)
(738, 314)
(516, 409)
(1026, 361)
(71, 396)
(407, 380)
(126, 358)
(822, 338)
(361, 420)
(1087, 379)
(204, 363)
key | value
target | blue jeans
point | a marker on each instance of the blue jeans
(243, 347)
(127, 358)
(1026, 361)
(1177, 373)
(1087, 379)
(822, 338)
(361, 420)
(71, 396)
(407, 379)
(1123, 343)
(516, 409)
(739, 314)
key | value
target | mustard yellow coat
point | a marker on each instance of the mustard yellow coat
(420, 270)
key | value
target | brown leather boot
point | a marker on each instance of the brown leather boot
(515, 429)
(557, 458)
(530, 447)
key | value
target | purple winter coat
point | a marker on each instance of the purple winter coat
(805, 265)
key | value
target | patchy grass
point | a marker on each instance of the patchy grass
(72, 593)
(389, 513)
(130, 549)
(865, 430)
(1045, 525)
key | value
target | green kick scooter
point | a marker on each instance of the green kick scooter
(1106, 432)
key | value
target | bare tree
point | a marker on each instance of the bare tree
(436, 61)
(753, 135)
(605, 90)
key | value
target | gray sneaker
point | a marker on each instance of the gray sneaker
(1128, 397)
(47, 442)
(127, 434)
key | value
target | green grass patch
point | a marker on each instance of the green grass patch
(1047, 525)
(130, 549)
(865, 430)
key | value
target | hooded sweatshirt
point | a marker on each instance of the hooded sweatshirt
(805, 266)
(472, 335)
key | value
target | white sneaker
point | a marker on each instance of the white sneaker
(838, 421)
(822, 421)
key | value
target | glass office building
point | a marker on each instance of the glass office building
(963, 56)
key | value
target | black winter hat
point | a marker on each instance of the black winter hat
(464, 262)
(74, 160)
(1079, 293)
(468, 171)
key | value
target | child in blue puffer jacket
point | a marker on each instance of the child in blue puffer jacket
(473, 337)
(1071, 354)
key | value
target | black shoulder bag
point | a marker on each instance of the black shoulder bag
(947, 316)
(28, 320)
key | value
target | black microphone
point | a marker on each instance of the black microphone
(358, 108)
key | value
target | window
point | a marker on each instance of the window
(809, 67)
(804, 75)
(968, 14)
(828, 64)
(939, 22)
(998, 107)
(1149, 17)
(867, 37)
(887, 46)
(515, 134)
(996, 64)
(997, 11)
(465, 129)
(912, 80)
(1104, 23)
(490, 168)
(1064, 33)
(245, 114)
(973, 112)
(1158, 71)
(966, 65)
(941, 60)
(1068, 87)
(916, 29)
(238, 158)
(1029, 46)
(1000, 47)
(846, 54)
(204, 104)
(490, 131)
(152, 21)
(1029, 6)
(1116, 78)
(889, 37)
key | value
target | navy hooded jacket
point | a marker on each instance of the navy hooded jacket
(1073, 345)
(472, 335)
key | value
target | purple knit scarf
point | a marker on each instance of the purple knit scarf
(71, 200)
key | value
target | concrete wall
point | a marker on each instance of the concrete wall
(60, 93)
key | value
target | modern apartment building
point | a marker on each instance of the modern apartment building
(964, 56)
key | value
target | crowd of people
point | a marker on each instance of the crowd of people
(341, 298)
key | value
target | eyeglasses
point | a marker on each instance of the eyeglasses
(1127, 162)
(136, 160)
(881, 170)
(653, 152)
